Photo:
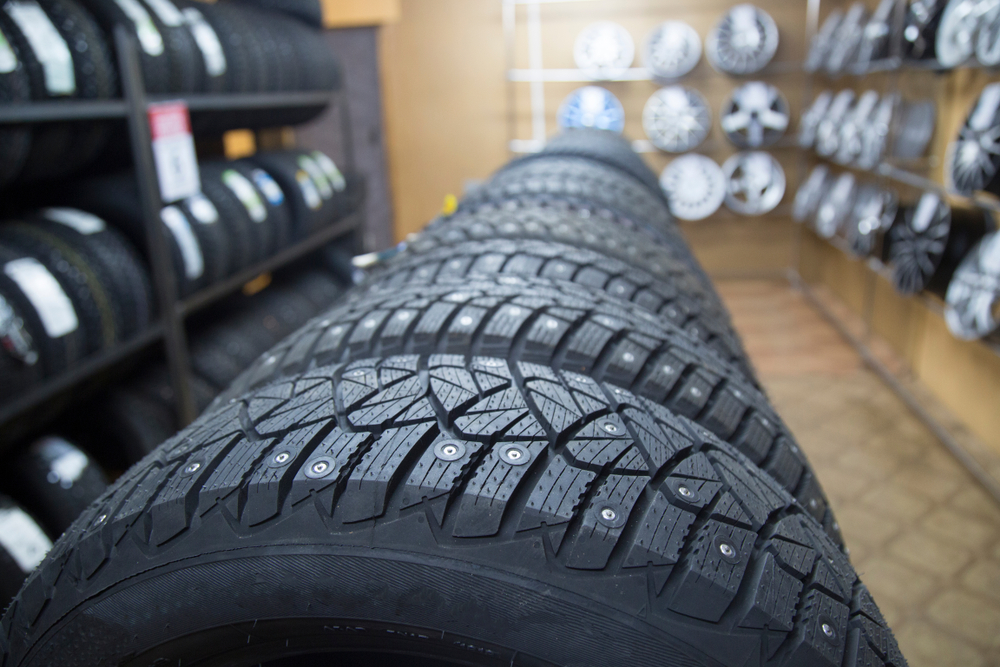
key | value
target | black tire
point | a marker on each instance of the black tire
(310, 210)
(279, 220)
(187, 70)
(51, 142)
(579, 178)
(211, 52)
(109, 249)
(90, 302)
(558, 261)
(604, 146)
(257, 231)
(23, 547)
(156, 68)
(56, 481)
(594, 334)
(55, 354)
(96, 79)
(21, 365)
(486, 515)
(232, 218)
(215, 236)
(584, 227)
(15, 140)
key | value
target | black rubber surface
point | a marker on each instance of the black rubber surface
(156, 67)
(15, 141)
(604, 146)
(22, 529)
(563, 325)
(449, 499)
(56, 481)
(308, 11)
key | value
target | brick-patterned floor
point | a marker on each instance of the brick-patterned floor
(923, 534)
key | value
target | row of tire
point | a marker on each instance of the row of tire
(73, 283)
(862, 130)
(941, 33)
(61, 50)
(543, 385)
(54, 478)
(929, 245)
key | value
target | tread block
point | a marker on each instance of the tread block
(491, 487)
(337, 450)
(656, 445)
(230, 472)
(784, 464)
(433, 477)
(453, 387)
(820, 632)
(706, 580)
(494, 414)
(756, 496)
(725, 413)
(789, 542)
(555, 406)
(373, 478)
(775, 597)
(391, 402)
(604, 521)
(558, 494)
(661, 534)
(755, 438)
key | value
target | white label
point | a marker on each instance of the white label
(330, 169)
(203, 209)
(167, 11)
(8, 61)
(268, 186)
(47, 44)
(81, 221)
(246, 193)
(22, 538)
(54, 308)
(986, 108)
(177, 223)
(309, 191)
(207, 41)
(173, 151)
(924, 215)
(319, 178)
(149, 37)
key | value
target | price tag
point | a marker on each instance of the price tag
(173, 151)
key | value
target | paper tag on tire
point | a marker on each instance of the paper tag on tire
(173, 151)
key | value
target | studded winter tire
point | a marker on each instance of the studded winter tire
(456, 509)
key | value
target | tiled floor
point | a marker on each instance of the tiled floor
(923, 534)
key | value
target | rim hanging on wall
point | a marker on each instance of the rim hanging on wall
(755, 182)
(672, 50)
(808, 196)
(755, 115)
(972, 302)
(676, 119)
(743, 42)
(604, 50)
(695, 186)
(972, 160)
(591, 106)
(835, 205)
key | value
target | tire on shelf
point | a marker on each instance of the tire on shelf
(90, 303)
(56, 481)
(15, 141)
(594, 334)
(187, 70)
(20, 358)
(655, 538)
(214, 236)
(309, 12)
(273, 197)
(57, 335)
(22, 548)
(248, 201)
(153, 54)
(236, 250)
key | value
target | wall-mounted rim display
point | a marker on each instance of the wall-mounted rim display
(920, 28)
(695, 186)
(743, 42)
(755, 115)
(972, 160)
(672, 50)
(875, 134)
(917, 243)
(810, 120)
(676, 119)
(828, 128)
(756, 182)
(819, 47)
(915, 128)
(591, 106)
(835, 206)
(972, 302)
(851, 141)
(960, 20)
(988, 35)
(810, 193)
(847, 38)
(874, 212)
(603, 50)
(874, 44)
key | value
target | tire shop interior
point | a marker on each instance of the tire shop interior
(522, 332)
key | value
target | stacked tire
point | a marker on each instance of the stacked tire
(248, 211)
(529, 438)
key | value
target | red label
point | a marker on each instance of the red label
(169, 119)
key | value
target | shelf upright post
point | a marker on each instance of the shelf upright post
(178, 360)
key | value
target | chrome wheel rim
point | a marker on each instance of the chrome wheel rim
(835, 206)
(604, 50)
(695, 186)
(755, 115)
(810, 192)
(743, 42)
(591, 106)
(972, 302)
(672, 50)
(676, 119)
(755, 182)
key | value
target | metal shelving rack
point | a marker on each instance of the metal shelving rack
(888, 172)
(43, 402)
